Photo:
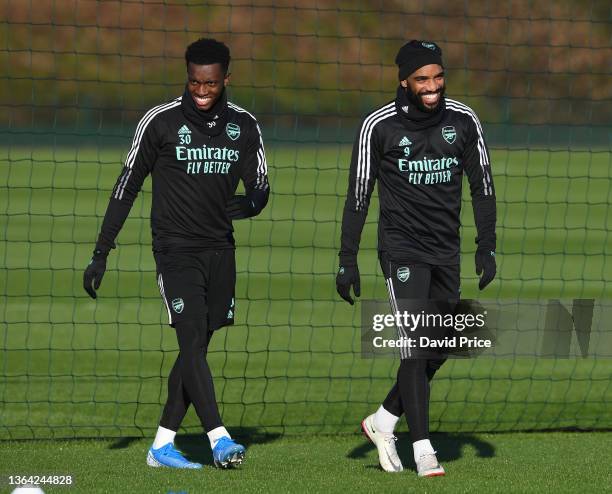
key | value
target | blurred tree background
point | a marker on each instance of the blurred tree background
(309, 68)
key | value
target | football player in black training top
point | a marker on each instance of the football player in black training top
(196, 148)
(417, 148)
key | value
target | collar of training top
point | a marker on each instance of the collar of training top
(414, 118)
(211, 122)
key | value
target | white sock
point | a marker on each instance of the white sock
(422, 447)
(163, 437)
(385, 421)
(216, 434)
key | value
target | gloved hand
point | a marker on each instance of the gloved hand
(348, 276)
(94, 272)
(485, 264)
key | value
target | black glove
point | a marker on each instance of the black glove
(347, 276)
(485, 264)
(247, 206)
(94, 272)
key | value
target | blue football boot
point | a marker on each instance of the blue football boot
(227, 453)
(169, 456)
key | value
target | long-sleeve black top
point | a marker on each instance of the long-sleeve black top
(196, 160)
(419, 168)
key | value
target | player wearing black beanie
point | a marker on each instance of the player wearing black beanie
(417, 147)
(416, 54)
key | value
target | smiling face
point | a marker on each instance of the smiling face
(426, 86)
(206, 83)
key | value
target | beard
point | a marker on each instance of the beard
(417, 101)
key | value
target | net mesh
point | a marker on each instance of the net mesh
(79, 74)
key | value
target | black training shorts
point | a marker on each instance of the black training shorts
(198, 285)
(418, 287)
(419, 280)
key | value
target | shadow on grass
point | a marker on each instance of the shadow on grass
(124, 442)
(196, 446)
(449, 448)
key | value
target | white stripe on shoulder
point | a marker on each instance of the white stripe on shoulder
(363, 159)
(462, 107)
(262, 165)
(142, 125)
(234, 106)
(482, 149)
(140, 129)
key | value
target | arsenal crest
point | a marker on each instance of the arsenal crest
(449, 133)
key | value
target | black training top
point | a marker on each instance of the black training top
(195, 159)
(419, 167)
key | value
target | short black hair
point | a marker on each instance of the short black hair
(207, 51)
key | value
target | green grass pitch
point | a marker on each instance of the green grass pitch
(516, 462)
(73, 367)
